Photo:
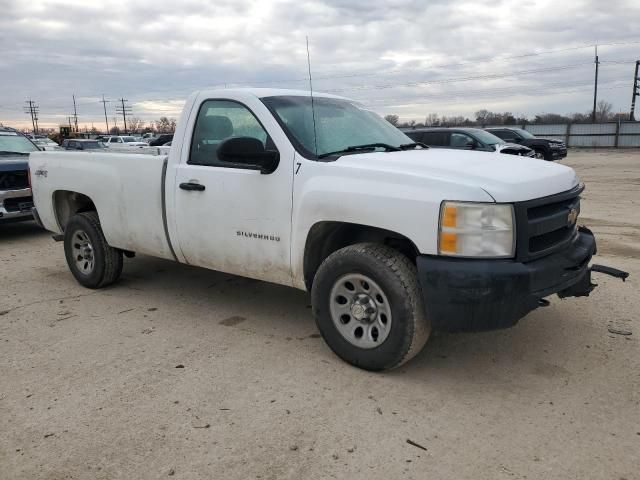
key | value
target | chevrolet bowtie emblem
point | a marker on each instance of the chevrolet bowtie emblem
(572, 218)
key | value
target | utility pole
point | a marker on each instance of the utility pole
(636, 92)
(104, 104)
(75, 112)
(32, 109)
(595, 89)
(124, 109)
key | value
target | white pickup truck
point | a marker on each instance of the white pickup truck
(391, 238)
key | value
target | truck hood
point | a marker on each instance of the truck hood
(507, 178)
(10, 163)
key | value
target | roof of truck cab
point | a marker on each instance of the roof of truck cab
(266, 92)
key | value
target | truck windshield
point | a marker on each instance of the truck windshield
(11, 142)
(339, 124)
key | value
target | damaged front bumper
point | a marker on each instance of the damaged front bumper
(475, 295)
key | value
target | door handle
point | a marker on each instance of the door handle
(191, 186)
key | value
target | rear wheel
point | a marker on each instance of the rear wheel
(368, 306)
(93, 263)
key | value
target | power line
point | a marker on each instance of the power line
(490, 76)
(75, 112)
(124, 110)
(104, 105)
(32, 109)
(636, 91)
(595, 88)
(337, 75)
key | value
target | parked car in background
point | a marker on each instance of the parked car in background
(465, 139)
(16, 200)
(82, 144)
(161, 139)
(45, 143)
(123, 141)
(544, 148)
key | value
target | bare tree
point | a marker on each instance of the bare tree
(603, 111)
(432, 120)
(392, 119)
(135, 124)
(165, 125)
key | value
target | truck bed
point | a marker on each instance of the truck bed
(127, 190)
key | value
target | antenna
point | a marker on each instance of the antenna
(313, 111)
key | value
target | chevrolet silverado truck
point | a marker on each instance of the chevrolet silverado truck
(15, 194)
(392, 239)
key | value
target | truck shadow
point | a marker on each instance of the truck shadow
(537, 345)
(14, 230)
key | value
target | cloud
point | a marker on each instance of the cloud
(409, 57)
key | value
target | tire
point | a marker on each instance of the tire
(397, 316)
(91, 260)
(542, 154)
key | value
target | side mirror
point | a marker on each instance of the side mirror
(472, 145)
(248, 152)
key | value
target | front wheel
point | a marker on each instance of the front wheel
(542, 154)
(368, 306)
(91, 260)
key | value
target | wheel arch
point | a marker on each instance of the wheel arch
(67, 203)
(326, 237)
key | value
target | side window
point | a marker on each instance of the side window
(501, 133)
(217, 121)
(435, 139)
(460, 140)
(413, 135)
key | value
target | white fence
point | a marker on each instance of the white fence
(612, 134)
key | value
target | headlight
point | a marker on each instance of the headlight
(469, 229)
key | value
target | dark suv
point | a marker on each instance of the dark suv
(546, 148)
(82, 144)
(161, 139)
(466, 139)
(15, 193)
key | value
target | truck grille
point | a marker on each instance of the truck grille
(545, 225)
(14, 180)
(18, 204)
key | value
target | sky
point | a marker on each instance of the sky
(403, 57)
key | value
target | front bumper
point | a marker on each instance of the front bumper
(15, 204)
(475, 295)
(557, 153)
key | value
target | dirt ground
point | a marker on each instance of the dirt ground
(178, 372)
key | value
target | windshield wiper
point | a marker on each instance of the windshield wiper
(5, 152)
(362, 148)
(411, 146)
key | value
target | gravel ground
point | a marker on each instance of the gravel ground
(191, 374)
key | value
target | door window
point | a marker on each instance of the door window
(460, 140)
(217, 121)
(503, 134)
(435, 139)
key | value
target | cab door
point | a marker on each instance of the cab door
(228, 217)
